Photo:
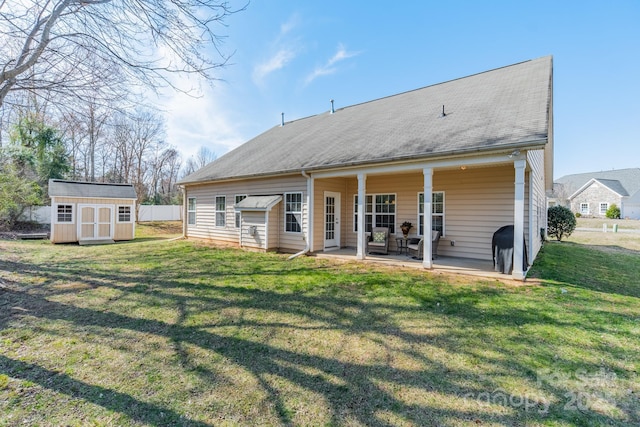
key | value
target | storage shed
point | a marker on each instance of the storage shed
(91, 212)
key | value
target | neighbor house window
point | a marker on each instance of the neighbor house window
(221, 211)
(124, 213)
(64, 213)
(191, 211)
(239, 198)
(437, 212)
(379, 211)
(604, 207)
(584, 208)
(293, 212)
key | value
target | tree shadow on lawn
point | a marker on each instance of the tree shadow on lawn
(353, 390)
(135, 409)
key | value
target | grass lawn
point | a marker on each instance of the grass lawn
(159, 332)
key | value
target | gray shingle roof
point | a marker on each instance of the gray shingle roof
(628, 179)
(62, 188)
(505, 107)
(614, 185)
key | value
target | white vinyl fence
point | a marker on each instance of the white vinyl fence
(160, 213)
(42, 214)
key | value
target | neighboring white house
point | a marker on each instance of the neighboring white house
(464, 157)
(592, 193)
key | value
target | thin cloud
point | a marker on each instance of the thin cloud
(329, 67)
(292, 23)
(204, 121)
(276, 62)
(282, 57)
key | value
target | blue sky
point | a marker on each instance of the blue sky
(294, 56)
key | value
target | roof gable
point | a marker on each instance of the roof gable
(63, 188)
(502, 108)
(628, 181)
(611, 184)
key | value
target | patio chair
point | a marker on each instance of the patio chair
(418, 248)
(379, 242)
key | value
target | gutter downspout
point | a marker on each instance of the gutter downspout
(309, 233)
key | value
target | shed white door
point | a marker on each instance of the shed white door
(331, 220)
(96, 222)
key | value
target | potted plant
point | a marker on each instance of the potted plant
(405, 227)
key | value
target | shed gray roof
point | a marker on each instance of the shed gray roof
(503, 108)
(258, 203)
(62, 188)
(628, 180)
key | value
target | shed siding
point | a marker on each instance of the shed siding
(205, 194)
(64, 233)
(67, 233)
(123, 231)
(90, 201)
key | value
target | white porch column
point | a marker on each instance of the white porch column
(310, 211)
(362, 191)
(518, 220)
(426, 243)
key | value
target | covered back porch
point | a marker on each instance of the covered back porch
(466, 201)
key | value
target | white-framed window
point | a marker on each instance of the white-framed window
(221, 211)
(64, 214)
(437, 212)
(604, 207)
(191, 211)
(238, 199)
(124, 213)
(380, 211)
(293, 212)
(584, 208)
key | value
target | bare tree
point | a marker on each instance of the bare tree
(203, 157)
(135, 139)
(49, 46)
(164, 174)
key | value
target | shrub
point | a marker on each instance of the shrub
(613, 212)
(560, 222)
(578, 214)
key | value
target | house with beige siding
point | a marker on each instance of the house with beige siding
(91, 212)
(464, 157)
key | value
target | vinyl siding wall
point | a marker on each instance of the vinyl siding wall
(68, 232)
(338, 185)
(537, 206)
(205, 194)
(254, 219)
(478, 201)
(275, 227)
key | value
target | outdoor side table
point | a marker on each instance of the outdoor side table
(401, 244)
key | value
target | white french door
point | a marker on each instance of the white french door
(95, 222)
(331, 220)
